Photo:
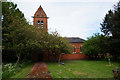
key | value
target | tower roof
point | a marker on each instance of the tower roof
(40, 13)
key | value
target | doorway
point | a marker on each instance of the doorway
(40, 57)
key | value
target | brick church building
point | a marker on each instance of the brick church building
(40, 21)
(77, 43)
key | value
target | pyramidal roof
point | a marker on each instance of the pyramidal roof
(40, 11)
(40, 8)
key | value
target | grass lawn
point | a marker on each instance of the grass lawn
(82, 69)
(24, 71)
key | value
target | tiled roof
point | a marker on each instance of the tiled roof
(75, 40)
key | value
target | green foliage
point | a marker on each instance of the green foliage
(21, 40)
(24, 71)
(13, 32)
(95, 44)
(59, 44)
(111, 22)
(109, 42)
(111, 27)
(11, 69)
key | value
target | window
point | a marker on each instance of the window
(74, 50)
(38, 24)
(42, 24)
(80, 49)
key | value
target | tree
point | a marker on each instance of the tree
(14, 28)
(11, 19)
(60, 45)
(111, 27)
(21, 40)
(55, 43)
(95, 45)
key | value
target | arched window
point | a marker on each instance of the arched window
(42, 24)
(38, 24)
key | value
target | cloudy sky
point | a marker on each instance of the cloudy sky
(71, 18)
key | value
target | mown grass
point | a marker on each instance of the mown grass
(23, 72)
(82, 69)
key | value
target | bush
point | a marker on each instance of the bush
(8, 70)
(11, 69)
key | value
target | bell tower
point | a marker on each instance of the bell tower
(40, 19)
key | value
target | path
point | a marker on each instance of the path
(40, 70)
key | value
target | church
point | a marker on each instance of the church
(40, 21)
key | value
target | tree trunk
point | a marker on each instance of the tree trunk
(59, 58)
(56, 57)
(48, 55)
(18, 58)
(109, 61)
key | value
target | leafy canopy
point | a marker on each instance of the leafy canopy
(21, 40)
(111, 27)
(95, 44)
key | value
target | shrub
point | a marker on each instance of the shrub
(11, 69)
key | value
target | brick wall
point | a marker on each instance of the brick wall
(40, 15)
(77, 47)
(66, 57)
(73, 57)
(52, 57)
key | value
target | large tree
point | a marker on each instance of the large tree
(95, 45)
(20, 39)
(18, 36)
(111, 27)
(59, 45)
(13, 23)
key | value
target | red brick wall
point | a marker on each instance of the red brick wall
(40, 17)
(51, 57)
(77, 47)
(73, 56)
(66, 57)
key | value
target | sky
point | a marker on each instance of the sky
(70, 18)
